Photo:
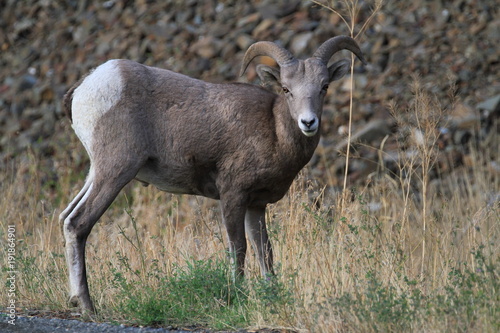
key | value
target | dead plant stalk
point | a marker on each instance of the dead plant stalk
(350, 19)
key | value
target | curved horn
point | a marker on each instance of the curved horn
(282, 56)
(335, 44)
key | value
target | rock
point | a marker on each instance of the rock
(461, 136)
(262, 29)
(207, 47)
(250, 19)
(493, 29)
(476, 27)
(464, 117)
(273, 11)
(26, 82)
(300, 42)
(23, 26)
(491, 104)
(374, 130)
(244, 41)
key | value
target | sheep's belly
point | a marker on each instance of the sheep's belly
(179, 184)
(177, 187)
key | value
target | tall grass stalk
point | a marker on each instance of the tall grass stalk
(423, 120)
(349, 19)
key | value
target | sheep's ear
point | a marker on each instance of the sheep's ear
(338, 69)
(268, 74)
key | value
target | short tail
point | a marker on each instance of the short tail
(68, 99)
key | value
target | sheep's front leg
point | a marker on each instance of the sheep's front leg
(255, 225)
(233, 215)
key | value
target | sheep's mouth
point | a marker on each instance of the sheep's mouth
(310, 132)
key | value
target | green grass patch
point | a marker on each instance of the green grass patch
(201, 293)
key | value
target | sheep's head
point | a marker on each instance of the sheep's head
(304, 82)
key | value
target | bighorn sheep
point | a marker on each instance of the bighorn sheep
(236, 142)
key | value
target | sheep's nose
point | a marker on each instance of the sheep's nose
(308, 123)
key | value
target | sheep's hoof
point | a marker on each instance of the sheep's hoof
(86, 308)
(74, 301)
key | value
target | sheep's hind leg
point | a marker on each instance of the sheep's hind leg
(75, 250)
(102, 190)
(76, 199)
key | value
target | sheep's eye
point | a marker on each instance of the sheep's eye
(286, 90)
(325, 87)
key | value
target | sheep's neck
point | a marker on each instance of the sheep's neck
(292, 143)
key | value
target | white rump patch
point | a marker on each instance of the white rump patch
(95, 96)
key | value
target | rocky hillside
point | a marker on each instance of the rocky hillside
(46, 46)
